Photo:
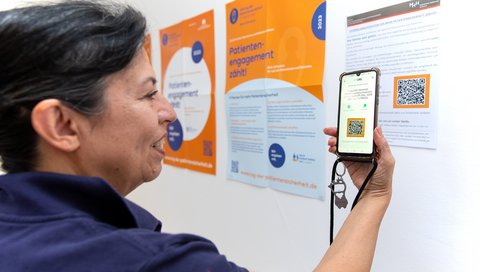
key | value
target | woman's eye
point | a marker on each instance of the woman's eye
(151, 94)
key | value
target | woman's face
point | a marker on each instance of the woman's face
(124, 144)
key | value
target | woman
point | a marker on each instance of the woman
(82, 125)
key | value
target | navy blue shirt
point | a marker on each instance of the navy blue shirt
(55, 222)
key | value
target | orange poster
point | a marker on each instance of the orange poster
(148, 46)
(188, 82)
(274, 100)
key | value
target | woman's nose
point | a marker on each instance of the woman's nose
(166, 112)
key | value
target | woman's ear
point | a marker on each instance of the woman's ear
(56, 124)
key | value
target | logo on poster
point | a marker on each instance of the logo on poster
(164, 39)
(414, 4)
(175, 135)
(233, 16)
(318, 21)
(197, 52)
(276, 154)
(302, 158)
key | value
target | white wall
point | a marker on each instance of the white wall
(8, 4)
(431, 223)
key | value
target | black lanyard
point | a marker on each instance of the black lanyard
(342, 202)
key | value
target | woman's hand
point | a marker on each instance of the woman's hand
(381, 183)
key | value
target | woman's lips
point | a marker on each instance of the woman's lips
(158, 145)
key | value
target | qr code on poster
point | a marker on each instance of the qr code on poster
(411, 91)
(234, 168)
(355, 127)
(207, 148)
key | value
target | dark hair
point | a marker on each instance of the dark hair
(62, 50)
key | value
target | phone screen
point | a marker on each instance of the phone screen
(357, 113)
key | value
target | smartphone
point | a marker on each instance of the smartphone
(357, 114)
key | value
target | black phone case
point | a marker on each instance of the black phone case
(354, 156)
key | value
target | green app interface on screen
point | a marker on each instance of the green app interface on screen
(357, 113)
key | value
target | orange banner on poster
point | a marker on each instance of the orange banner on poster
(188, 82)
(269, 39)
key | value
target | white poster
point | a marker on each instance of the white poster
(403, 41)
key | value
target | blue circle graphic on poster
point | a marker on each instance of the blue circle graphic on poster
(318, 21)
(164, 39)
(233, 16)
(276, 154)
(175, 135)
(197, 52)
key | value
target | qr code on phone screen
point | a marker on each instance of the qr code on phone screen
(411, 91)
(355, 127)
